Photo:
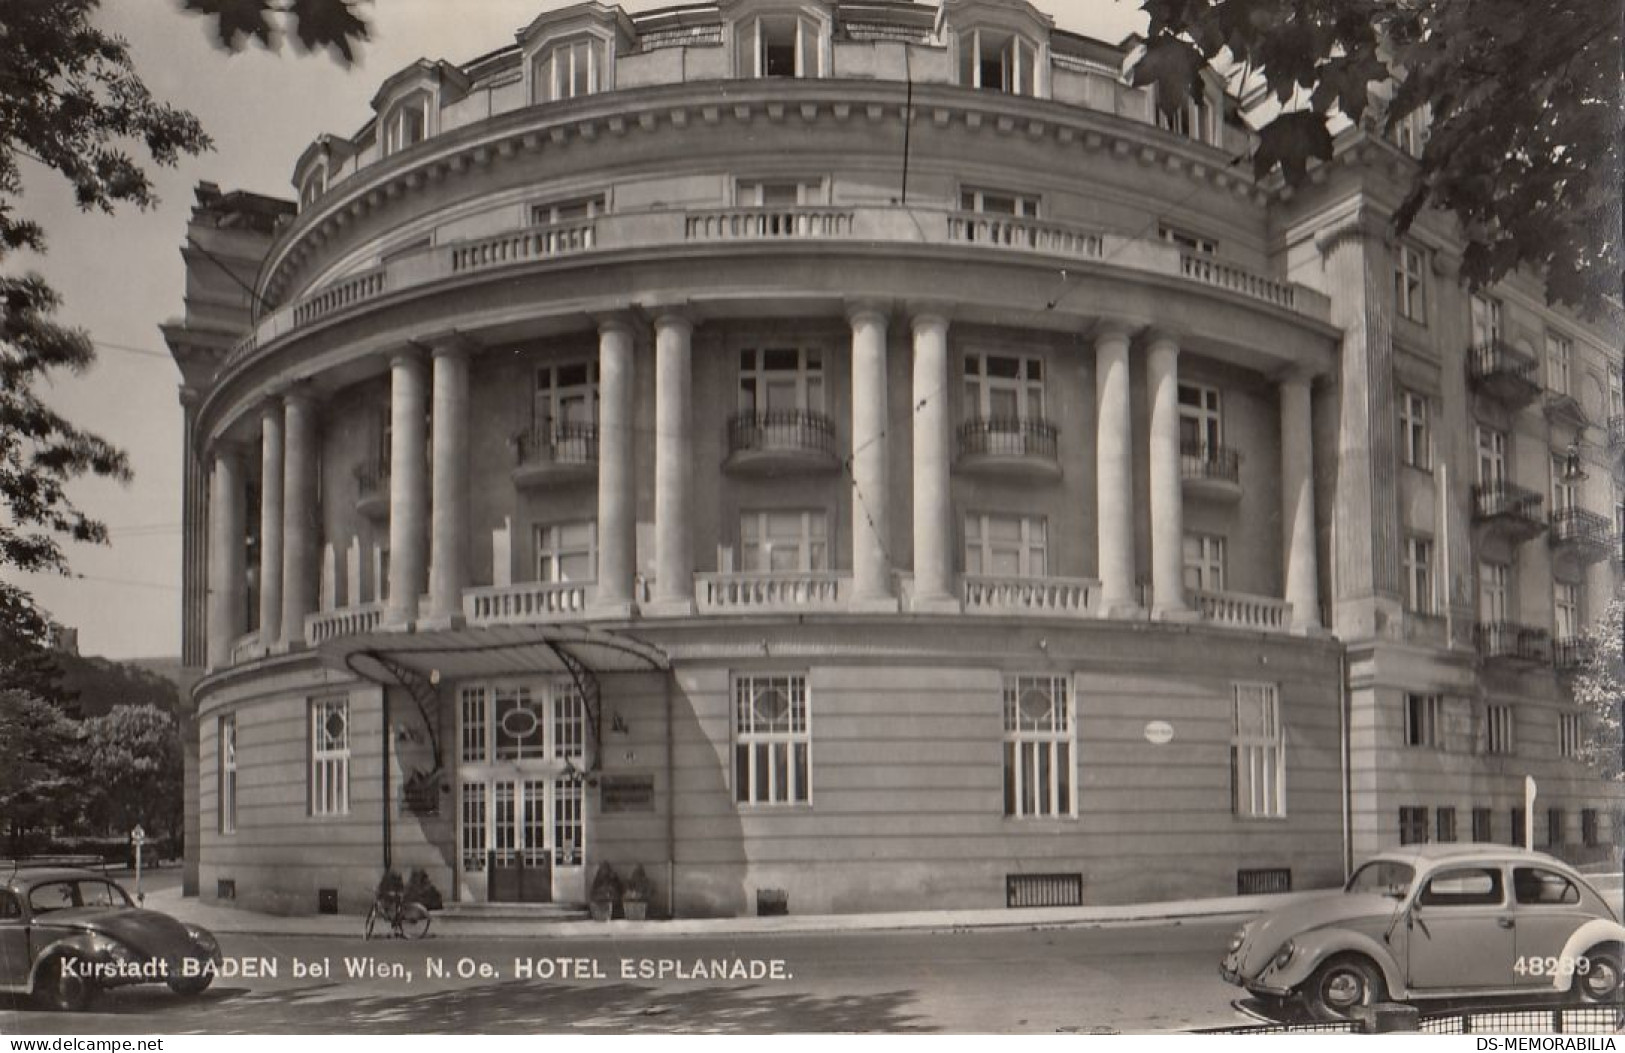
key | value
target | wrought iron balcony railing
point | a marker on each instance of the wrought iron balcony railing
(1580, 532)
(1002, 439)
(562, 443)
(1570, 652)
(1515, 510)
(1504, 372)
(1511, 642)
(798, 434)
(1216, 463)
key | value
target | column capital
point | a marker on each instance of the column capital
(933, 313)
(409, 354)
(674, 318)
(1161, 340)
(1112, 332)
(448, 342)
(875, 310)
(623, 321)
(225, 450)
(300, 393)
(271, 407)
(1296, 373)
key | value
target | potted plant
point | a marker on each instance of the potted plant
(635, 900)
(604, 891)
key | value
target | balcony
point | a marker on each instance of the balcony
(346, 621)
(1616, 438)
(772, 592)
(771, 442)
(1514, 644)
(372, 488)
(566, 451)
(1511, 511)
(1579, 533)
(1240, 610)
(1006, 446)
(1210, 471)
(1570, 653)
(1504, 373)
(1563, 408)
(527, 603)
(1030, 597)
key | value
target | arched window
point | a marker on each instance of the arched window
(786, 45)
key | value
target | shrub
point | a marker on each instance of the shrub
(606, 884)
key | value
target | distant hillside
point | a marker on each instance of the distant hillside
(101, 683)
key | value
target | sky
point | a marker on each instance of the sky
(121, 276)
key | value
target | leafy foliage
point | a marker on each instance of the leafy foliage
(131, 763)
(1527, 122)
(26, 661)
(316, 23)
(1599, 687)
(38, 748)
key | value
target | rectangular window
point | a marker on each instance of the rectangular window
(570, 70)
(226, 731)
(1483, 825)
(519, 723)
(1191, 119)
(571, 210)
(1410, 132)
(1424, 720)
(1445, 825)
(777, 383)
(1007, 388)
(1410, 284)
(1485, 318)
(1565, 490)
(997, 61)
(1204, 562)
(778, 46)
(1556, 822)
(1616, 392)
(778, 193)
(563, 403)
(1415, 440)
(1498, 727)
(569, 722)
(998, 202)
(784, 541)
(407, 123)
(1566, 611)
(1185, 241)
(1588, 828)
(772, 740)
(1201, 420)
(567, 823)
(1038, 747)
(1419, 587)
(1257, 752)
(1006, 546)
(1492, 457)
(1520, 829)
(330, 756)
(475, 724)
(1559, 360)
(1569, 729)
(567, 552)
(474, 822)
(1492, 592)
(1413, 825)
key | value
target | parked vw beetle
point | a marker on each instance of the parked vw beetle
(65, 935)
(1435, 921)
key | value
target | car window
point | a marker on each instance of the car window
(1463, 887)
(53, 895)
(9, 907)
(1384, 877)
(102, 894)
(1533, 885)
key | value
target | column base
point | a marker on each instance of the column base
(432, 622)
(1175, 614)
(678, 608)
(873, 605)
(1122, 610)
(943, 604)
(1313, 632)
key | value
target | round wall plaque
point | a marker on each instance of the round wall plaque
(1159, 733)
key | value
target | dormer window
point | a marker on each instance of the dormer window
(1193, 120)
(406, 123)
(314, 186)
(786, 45)
(997, 60)
(570, 69)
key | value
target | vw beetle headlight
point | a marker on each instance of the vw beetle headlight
(1237, 939)
(1284, 955)
(204, 939)
(113, 950)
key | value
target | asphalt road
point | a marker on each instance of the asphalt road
(1135, 978)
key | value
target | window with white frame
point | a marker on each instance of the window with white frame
(564, 402)
(1410, 132)
(1492, 591)
(1415, 437)
(1006, 546)
(518, 723)
(1201, 420)
(570, 69)
(998, 60)
(778, 193)
(787, 541)
(1424, 720)
(1257, 752)
(998, 202)
(330, 756)
(406, 122)
(1565, 491)
(474, 720)
(1485, 316)
(1199, 244)
(1569, 730)
(1419, 588)
(1559, 361)
(1498, 725)
(1565, 610)
(1204, 562)
(786, 45)
(567, 552)
(772, 739)
(569, 722)
(511, 722)
(227, 743)
(314, 186)
(1039, 745)
(1004, 387)
(1616, 392)
(1492, 457)
(781, 380)
(1192, 119)
(570, 210)
(1410, 284)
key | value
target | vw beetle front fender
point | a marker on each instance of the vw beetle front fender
(1314, 948)
(1587, 936)
(79, 943)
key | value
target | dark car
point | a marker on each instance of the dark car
(66, 935)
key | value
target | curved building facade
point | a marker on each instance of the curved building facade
(864, 452)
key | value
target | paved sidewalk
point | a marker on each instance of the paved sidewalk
(232, 920)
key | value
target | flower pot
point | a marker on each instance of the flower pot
(601, 909)
(635, 909)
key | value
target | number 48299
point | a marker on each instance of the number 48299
(1535, 965)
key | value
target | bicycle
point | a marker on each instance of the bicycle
(407, 919)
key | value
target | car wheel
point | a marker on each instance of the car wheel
(1601, 981)
(189, 986)
(1341, 986)
(61, 988)
(414, 921)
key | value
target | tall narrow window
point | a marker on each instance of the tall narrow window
(1038, 747)
(474, 826)
(1413, 825)
(1492, 592)
(1201, 420)
(1257, 752)
(1556, 823)
(1483, 824)
(1565, 490)
(779, 46)
(1204, 562)
(567, 552)
(569, 721)
(1589, 832)
(1559, 360)
(1419, 589)
(1616, 392)
(1565, 611)
(406, 123)
(567, 823)
(227, 744)
(787, 541)
(313, 187)
(569, 70)
(1568, 735)
(1415, 440)
(1410, 284)
(1446, 826)
(998, 61)
(1423, 720)
(1498, 728)
(772, 740)
(475, 724)
(1492, 457)
(1485, 316)
(1520, 828)
(1006, 546)
(330, 756)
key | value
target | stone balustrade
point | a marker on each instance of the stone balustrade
(246, 648)
(793, 592)
(1242, 610)
(1063, 597)
(345, 621)
(1208, 271)
(531, 601)
(347, 292)
(1018, 232)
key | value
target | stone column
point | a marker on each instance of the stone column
(933, 453)
(617, 490)
(1167, 496)
(674, 469)
(408, 489)
(448, 559)
(300, 529)
(1114, 453)
(1298, 504)
(272, 463)
(871, 564)
(228, 510)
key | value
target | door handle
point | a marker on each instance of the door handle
(1505, 923)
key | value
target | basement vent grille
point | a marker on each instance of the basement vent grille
(1043, 890)
(1268, 879)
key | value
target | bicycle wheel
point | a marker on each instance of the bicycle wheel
(372, 919)
(414, 921)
